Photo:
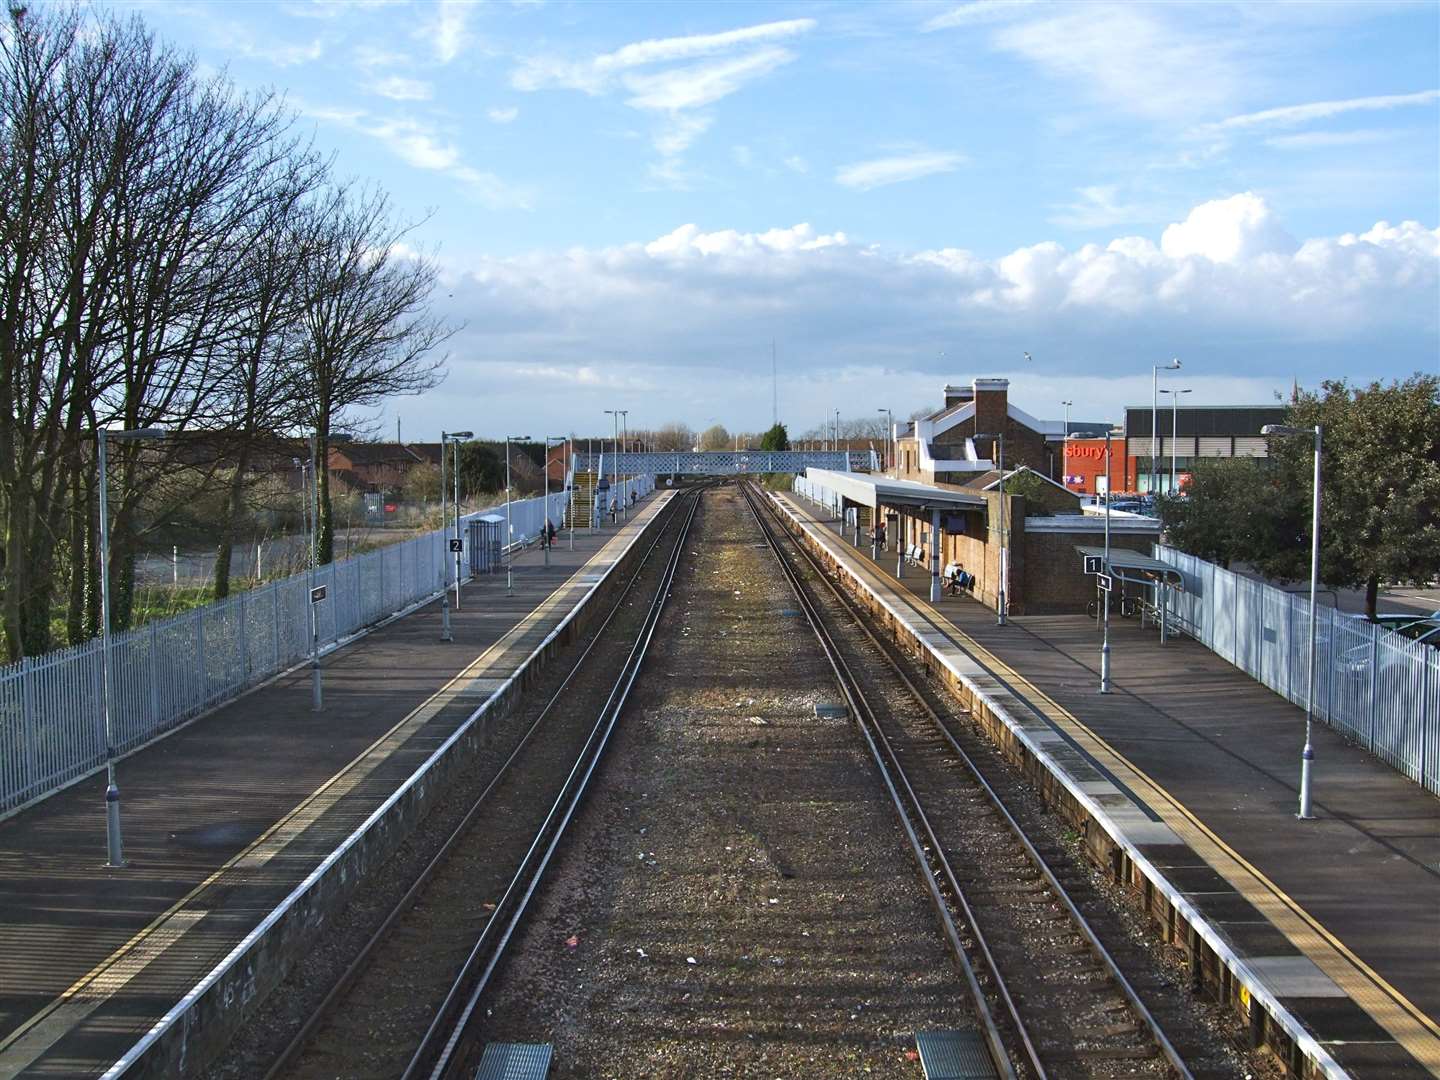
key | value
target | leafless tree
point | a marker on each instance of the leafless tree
(367, 332)
(674, 436)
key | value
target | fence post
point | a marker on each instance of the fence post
(29, 725)
(1374, 683)
(155, 720)
(1427, 721)
(275, 603)
(380, 556)
(244, 641)
(200, 655)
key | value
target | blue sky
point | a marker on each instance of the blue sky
(631, 201)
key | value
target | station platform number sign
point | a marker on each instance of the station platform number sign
(1094, 564)
(456, 544)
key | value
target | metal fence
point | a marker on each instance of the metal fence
(170, 670)
(1378, 688)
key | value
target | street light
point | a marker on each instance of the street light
(889, 434)
(614, 415)
(1307, 756)
(1174, 484)
(548, 440)
(1067, 405)
(510, 529)
(454, 438)
(1000, 607)
(1155, 370)
(625, 435)
(114, 847)
(317, 698)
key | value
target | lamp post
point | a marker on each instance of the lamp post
(1155, 370)
(1105, 631)
(1307, 756)
(614, 415)
(1067, 405)
(549, 439)
(317, 696)
(1174, 484)
(1000, 606)
(510, 529)
(453, 438)
(114, 846)
(845, 462)
(889, 437)
(625, 438)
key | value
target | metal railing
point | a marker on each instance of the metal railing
(170, 670)
(1376, 686)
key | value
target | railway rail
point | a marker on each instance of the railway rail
(426, 912)
(1051, 999)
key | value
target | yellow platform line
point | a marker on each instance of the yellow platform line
(113, 973)
(1410, 1026)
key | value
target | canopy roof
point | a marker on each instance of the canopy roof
(867, 489)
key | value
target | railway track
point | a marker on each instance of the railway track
(1051, 998)
(432, 956)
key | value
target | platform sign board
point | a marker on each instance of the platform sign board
(1104, 581)
(1094, 564)
(457, 545)
(317, 594)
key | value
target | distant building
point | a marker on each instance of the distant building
(941, 448)
(360, 467)
(1201, 431)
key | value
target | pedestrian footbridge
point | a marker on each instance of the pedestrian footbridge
(726, 462)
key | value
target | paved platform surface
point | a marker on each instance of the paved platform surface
(1210, 758)
(224, 817)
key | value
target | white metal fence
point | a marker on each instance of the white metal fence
(168, 671)
(1375, 686)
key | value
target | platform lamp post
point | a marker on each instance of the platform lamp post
(1174, 484)
(1155, 370)
(317, 692)
(1001, 606)
(625, 437)
(1307, 756)
(889, 435)
(114, 846)
(453, 438)
(1105, 625)
(614, 415)
(510, 529)
(549, 440)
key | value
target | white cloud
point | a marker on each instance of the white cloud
(1139, 59)
(399, 88)
(1291, 115)
(1234, 230)
(864, 175)
(1100, 207)
(447, 32)
(797, 164)
(502, 116)
(701, 84)
(1226, 287)
(281, 55)
(1318, 140)
(418, 144)
(373, 57)
(979, 11)
(672, 87)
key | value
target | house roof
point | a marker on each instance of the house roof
(383, 453)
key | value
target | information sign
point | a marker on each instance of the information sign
(317, 594)
(1104, 581)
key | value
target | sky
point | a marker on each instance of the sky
(635, 206)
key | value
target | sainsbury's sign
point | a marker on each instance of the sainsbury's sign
(1080, 450)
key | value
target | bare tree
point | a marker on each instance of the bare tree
(674, 436)
(715, 437)
(367, 331)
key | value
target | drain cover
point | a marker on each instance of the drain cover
(954, 1055)
(514, 1061)
(829, 710)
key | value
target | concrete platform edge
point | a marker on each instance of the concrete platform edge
(202, 1022)
(1279, 1014)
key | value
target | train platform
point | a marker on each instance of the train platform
(229, 818)
(1331, 925)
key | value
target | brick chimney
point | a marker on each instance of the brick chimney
(990, 404)
(954, 395)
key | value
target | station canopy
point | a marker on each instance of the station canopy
(867, 489)
(1132, 566)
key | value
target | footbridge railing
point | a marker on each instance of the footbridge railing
(729, 462)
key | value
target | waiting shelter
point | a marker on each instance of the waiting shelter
(896, 502)
(1123, 565)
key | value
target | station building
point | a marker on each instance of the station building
(1190, 433)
